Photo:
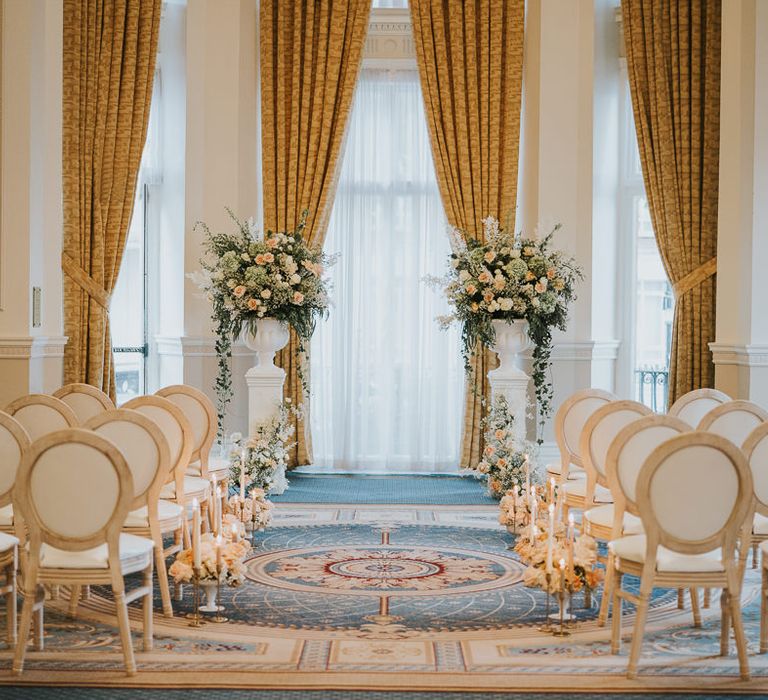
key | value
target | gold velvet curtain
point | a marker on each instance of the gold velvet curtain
(470, 57)
(110, 48)
(311, 51)
(673, 61)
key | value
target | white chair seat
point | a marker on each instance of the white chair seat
(759, 528)
(166, 510)
(578, 487)
(192, 485)
(632, 548)
(216, 465)
(134, 553)
(602, 516)
(764, 551)
(6, 515)
(7, 541)
(574, 472)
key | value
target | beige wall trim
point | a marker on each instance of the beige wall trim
(390, 40)
(741, 355)
(25, 347)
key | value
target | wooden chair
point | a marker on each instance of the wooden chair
(201, 414)
(695, 498)
(569, 421)
(755, 449)
(9, 547)
(694, 405)
(40, 414)
(14, 441)
(598, 433)
(625, 457)
(146, 451)
(85, 400)
(178, 486)
(74, 532)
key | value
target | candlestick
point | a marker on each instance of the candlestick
(551, 537)
(196, 556)
(552, 490)
(235, 532)
(243, 456)
(219, 509)
(527, 476)
(571, 538)
(562, 632)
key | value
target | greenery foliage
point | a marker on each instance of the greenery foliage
(247, 276)
(511, 277)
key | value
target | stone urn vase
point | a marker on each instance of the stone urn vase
(511, 340)
(271, 335)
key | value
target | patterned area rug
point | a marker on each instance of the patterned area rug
(390, 597)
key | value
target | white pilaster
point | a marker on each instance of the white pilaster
(569, 166)
(31, 346)
(740, 352)
(222, 168)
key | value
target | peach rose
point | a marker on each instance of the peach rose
(484, 277)
(470, 289)
(239, 290)
(268, 257)
(488, 297)
(551, 273)
(490, 256)
(271, 242)
(253, 304)
(260, 259)
(298, 297)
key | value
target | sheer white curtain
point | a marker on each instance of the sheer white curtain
(387, 383)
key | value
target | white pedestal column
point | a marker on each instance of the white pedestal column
(509, 380)
(265, 393)
(265, 380)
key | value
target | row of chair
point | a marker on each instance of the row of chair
(679, 498)
(87, 492)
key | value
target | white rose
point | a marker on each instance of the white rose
(505, 304)
(266, 293)
(464, 275)
(514, 253)
(295, 279)
(246, 257)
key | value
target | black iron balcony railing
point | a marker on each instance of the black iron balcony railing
(652, 387)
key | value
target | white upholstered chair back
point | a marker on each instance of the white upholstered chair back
(41, 414)
(175, 426)
(142, 443)
(694, 405)
(601, 429)
(85, 400)
(733, 420)
(755, 449)
(14, 441)
(570, 419)
(200, 413)
(695, 493)
(73, 491)
(630, 449)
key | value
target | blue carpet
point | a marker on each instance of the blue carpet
(397, 490)
(63, 693)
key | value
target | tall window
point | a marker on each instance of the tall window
(653, 304)
(387, 382)
(129, 316)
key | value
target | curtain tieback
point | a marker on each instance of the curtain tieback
(89, 285)
(695, 277)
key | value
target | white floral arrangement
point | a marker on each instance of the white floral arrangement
(248, 275)
(510, 277)
(506, 462)
(265, 452)
(232, 555)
